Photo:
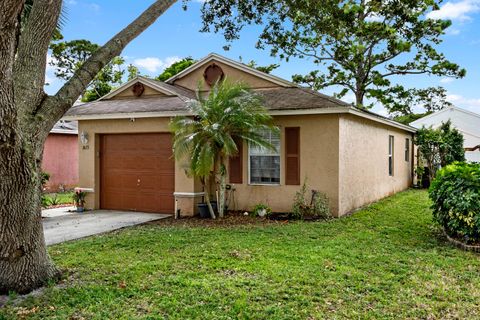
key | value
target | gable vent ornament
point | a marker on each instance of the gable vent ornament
(138, 89)
(213, 74)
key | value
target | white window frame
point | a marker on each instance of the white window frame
(279, 154)
(391, 155)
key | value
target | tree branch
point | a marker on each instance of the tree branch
(55, 106)
(10, 10)
(30, 63)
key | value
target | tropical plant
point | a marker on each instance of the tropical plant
(228, 113)
(79, 198)
(455, 194)
(439, 147)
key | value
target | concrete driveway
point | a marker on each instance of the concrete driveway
(60, 225)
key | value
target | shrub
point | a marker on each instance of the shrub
(439, 147)
(316, 206)
(259, 208)
(455, 193)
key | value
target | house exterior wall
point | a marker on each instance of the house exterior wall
(191, 80)
(318, 165)
(363, 167)
(468, 123)
(342, 155)
(89, 156)
(60, 160)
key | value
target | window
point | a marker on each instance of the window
(265, 163)
(390, 155)
(407, 150)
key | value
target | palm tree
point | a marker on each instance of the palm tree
(230, 112)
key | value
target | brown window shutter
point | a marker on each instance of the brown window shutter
(292, 155)
(236, 165)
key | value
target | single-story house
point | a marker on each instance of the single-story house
(355, 157)
(467, 122)
(60, 156)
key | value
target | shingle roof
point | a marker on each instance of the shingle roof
(275, 99)
(65, 127)
(298, 98)
(157, 104)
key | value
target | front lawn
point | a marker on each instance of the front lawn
(386, 261)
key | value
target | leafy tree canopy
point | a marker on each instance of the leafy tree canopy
(69, 56)
(409, 118)
(267, 69)
(440, 147)
(175, 68)
(358, 45)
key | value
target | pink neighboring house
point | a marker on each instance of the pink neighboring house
(60, 156)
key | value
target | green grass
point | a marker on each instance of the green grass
(61, 197)
(386, 261)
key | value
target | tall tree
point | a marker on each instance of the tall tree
(230, 112)
(27, 114)
(175, 68)
(68, 56)
(360, 44)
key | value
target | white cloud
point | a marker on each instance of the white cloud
(460, 10)
(446, 80)
(153, 64)
(452, 31)
(71, 2)
(472, 104)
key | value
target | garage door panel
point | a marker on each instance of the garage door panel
(137, 172)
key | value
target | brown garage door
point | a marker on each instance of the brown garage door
(137, 172)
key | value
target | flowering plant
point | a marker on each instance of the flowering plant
(79, 198)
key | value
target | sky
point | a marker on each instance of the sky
(176, 35)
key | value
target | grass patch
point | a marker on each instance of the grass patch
(385, 261)
(59, 198)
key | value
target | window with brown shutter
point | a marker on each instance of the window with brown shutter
(292, 155)
(236, 165)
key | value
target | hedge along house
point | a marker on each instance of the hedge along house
(125, 148)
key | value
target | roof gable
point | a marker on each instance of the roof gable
(152, 87)
(190, 77)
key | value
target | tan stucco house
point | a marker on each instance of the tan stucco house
(125, 148)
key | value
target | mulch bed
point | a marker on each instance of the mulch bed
(230, 220)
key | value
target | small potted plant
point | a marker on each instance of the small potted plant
(261, 210)
(79, 199)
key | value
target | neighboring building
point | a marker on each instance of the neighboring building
(355, 157)
(60, 156)
(468, 123)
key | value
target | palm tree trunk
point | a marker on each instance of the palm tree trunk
(206, 187)
(222, 188)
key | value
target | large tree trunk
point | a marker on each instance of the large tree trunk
(24, 262)
(26, 116)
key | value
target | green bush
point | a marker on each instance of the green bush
(315, 206)
(455, 193)
(260, 207)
